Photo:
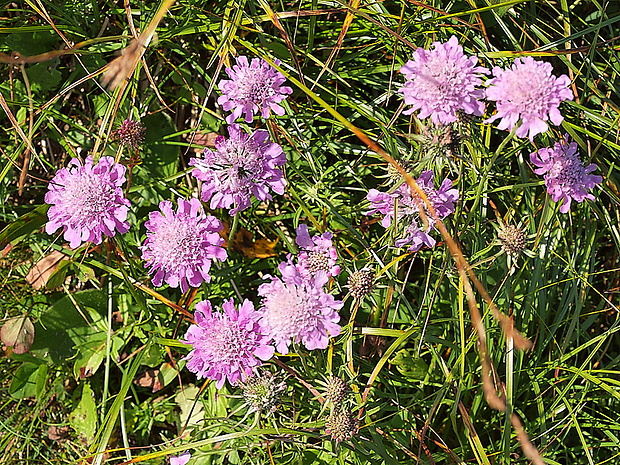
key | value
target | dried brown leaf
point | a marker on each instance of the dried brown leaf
(40, 273)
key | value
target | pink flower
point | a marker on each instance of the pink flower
(87, 201)
(180, 246)
(565, 176)
(443, 81)
(297, 309)
(181, 459)
(402, 209)
(527, 92)
(318, 253)
(241, 166)
(228, 345)
(253, 87)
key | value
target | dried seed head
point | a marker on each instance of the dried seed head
(341, 425)
(361, 283)
(130, 133)
(513, 240)
(263, 391)
(393, 173)
(336, 390)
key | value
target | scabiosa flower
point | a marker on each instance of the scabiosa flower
(442, 81)
(317, 254)
(180, 246)
(527, 91)
(130, 133)
(253, 87)
(407, 207)
(566, 177)
(297, 309)
(228, 345)
(180, 459)
(87, 201)
(241, 166)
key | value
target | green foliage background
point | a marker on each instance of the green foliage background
(97, 333)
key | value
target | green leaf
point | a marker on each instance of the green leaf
(63, 326)
(24, 226)
(44, 77)
(161, 156)
(409, 365)
(84, 418)
(29, 380)
(32, 43)
(91, 354)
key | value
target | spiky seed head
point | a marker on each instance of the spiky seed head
(336, 390)
(131, 133)
(341, 425)
(440, 140)
(513, 240)
(263, 391)
(361, 283)
(393, 173)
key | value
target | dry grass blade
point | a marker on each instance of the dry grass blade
(123, 66)
(348, 20)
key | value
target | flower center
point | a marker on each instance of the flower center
(288, 312)
(225, 342)
(254, 86)
(86, 197)
(177, 240)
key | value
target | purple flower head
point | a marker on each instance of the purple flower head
(226, 345)
(253, 87)
(443, 81)
(180, 459)
(565, 176)
(241, 166)
(87, 201)
(297, 309)
(317, 254)
(406, 207)
(527, 91)
(180, 245)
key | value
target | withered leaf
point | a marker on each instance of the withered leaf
(18, 333)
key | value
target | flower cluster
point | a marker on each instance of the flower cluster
(443, 81)
(241, 166)
(297, 309)
(226, 345)
(254, 87)
(180, 245)
(401, 208)
(87, 201)
(565, 175)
